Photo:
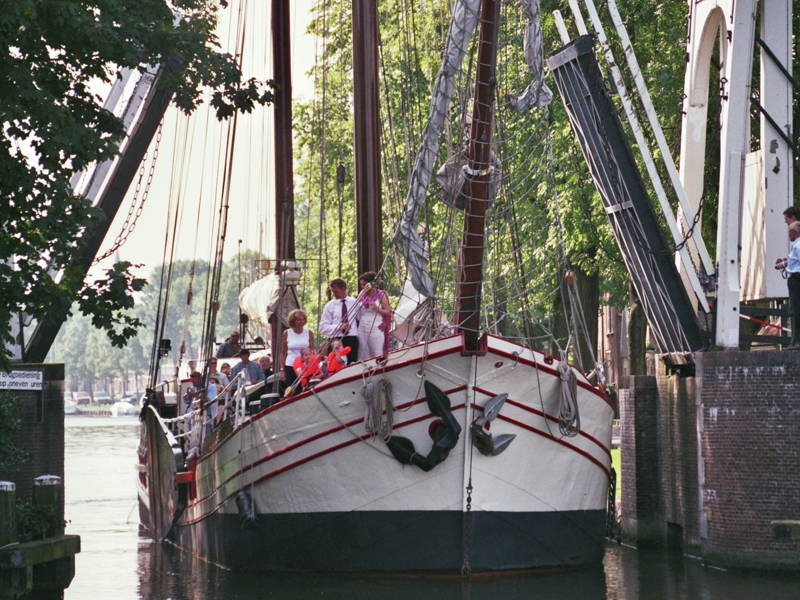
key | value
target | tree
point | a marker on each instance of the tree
(54, 126)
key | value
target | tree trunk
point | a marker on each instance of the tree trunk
(637, 329)
(589, 294)
(560, 328)
(588, 287)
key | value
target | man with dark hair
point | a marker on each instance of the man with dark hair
(252, 370)
(338, 320)
(230, 347)
(791, 266)
(791, 215)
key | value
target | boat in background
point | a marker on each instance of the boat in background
(124, 409)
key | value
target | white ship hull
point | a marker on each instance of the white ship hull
(326, 495)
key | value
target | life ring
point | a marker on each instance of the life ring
(445, 434)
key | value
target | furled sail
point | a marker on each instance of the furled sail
(272, 294)
(462, 26)
(463, 22)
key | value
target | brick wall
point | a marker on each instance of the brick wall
(751, 454)
(714, 458)
(641, 489)
(41, 432)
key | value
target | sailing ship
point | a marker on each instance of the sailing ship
(458, 451)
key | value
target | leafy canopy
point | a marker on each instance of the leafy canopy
(55, 54)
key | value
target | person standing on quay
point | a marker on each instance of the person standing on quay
(338, 320)
(375, 318)
(791, 267)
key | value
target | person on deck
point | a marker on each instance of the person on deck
(221, 378)
(265, 362)
(306, 368)
(253, 371)
(374, 319)
(230, 347)
(192, 392)
(338, 320)
(338, 357)
(791, 215)
(293, 340)
(225, 369)
(791, 266)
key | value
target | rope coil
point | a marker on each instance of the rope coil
(379, 418)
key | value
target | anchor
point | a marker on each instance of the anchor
(445, 434)
(484, 441)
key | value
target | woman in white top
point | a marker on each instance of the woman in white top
(293, 340)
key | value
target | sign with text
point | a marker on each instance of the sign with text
(21, 380)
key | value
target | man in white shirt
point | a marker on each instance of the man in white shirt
(339, 316)
(791, 266)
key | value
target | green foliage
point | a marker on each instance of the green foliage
(55, 125)
(35, 522)
(91, 359)
(11, 456)
(557, 217)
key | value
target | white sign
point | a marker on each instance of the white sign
(21, 380)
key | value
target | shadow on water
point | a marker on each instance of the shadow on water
(165, 572)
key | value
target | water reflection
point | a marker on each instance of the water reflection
(165, 572)
(654, 575)
(116, 563)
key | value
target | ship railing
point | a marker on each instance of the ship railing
(192, 427)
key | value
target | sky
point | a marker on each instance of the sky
(191, 155)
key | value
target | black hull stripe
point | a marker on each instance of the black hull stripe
(398, 541)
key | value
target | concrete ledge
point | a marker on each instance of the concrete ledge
(43, 567)
(786, 529)
(15, 556)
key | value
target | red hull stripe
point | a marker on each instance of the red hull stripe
(360, 375)
(324, 433)
(304, 460)
(349, 442)
(606, 470)
(587, 386)
(535, 411)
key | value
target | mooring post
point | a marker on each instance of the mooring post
(48, 492)
(8, 516)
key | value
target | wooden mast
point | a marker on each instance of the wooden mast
(477, 187)
(282, 74)
(284, 189)
(367, 136)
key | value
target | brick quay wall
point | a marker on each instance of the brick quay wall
(708, 462)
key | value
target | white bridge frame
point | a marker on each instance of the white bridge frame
(768, 170)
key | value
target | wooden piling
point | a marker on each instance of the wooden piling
(8, 513)
(48, 493)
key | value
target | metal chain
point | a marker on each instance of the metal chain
(135, 211)
(695, 221)
(612, 526)
(466, 564)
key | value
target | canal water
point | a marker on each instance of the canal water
(116, 563)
